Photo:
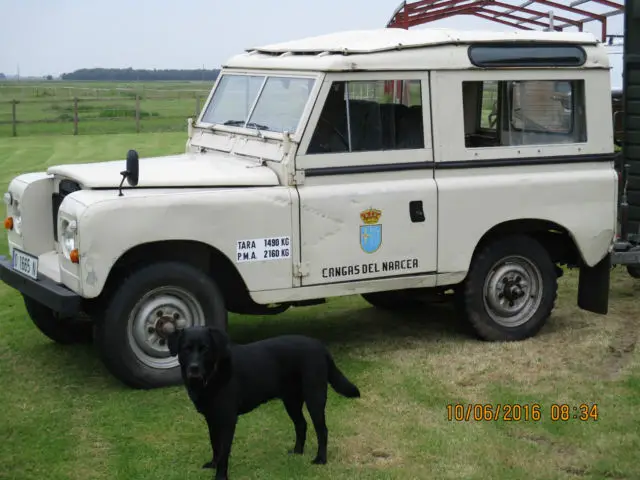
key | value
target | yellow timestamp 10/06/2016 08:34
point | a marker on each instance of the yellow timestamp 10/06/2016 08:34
(518, 412)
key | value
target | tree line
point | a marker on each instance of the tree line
(131, 74)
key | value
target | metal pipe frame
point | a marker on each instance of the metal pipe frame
(419, 12)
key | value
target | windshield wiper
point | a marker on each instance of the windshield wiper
(257, 126)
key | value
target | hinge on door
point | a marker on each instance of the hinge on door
(297, 178)
(300, 270)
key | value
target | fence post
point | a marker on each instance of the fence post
(137, 113)
(75, 115)
(14, 118)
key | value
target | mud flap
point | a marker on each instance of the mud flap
(593, 286)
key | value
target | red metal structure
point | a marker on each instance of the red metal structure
(527, 15)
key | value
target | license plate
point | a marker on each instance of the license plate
(25, 264)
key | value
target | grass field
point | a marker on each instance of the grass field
(63, 417)
(103, 107)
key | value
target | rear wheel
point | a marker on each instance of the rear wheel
(131, 338)
(62, 330)
(510, 289)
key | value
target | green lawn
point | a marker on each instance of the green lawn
(103, 107)
(63, 417)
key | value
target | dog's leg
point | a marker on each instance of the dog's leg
(215, 445)
(316, 401)
(293, 405)
(225, 434)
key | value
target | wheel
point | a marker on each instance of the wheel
(633, 270)
(131, 336)
(510, 289)
(393, 300)
(62, 330)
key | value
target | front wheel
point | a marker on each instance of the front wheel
(510, 290)
(131, 337)
(62, 330)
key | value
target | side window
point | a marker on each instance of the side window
(370, 116)
(526, 112)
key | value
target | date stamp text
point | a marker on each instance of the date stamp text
(521, 412)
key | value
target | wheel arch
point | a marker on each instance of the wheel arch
(555, 238)
(195, 253)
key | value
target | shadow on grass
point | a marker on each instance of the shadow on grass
(341, 325)
(344, 323)
(348, 326)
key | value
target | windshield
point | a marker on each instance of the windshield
(279, 106)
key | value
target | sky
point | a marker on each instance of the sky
(50, 37)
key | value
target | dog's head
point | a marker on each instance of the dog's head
(202, 352)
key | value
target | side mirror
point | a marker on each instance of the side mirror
(131, 173)
(132, 168)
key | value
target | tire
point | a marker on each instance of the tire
(62, 330)
(394, 300)
(633, 271)
(522, 265)
(164, 292)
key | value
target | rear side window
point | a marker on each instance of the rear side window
(524, 112)
(527, 56)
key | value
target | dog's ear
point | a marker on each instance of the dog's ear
(173, 341)
(220, 341)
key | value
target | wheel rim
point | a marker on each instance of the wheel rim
(156, 314)
(513, 291)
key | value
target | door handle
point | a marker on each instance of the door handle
(416, 212)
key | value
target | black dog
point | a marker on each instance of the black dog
(225, 380)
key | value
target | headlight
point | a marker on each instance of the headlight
(68, 236)
(17, 217)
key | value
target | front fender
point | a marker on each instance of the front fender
(108, 228)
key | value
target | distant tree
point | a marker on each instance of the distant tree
(49, 77)
(2, 76)
(131, 75)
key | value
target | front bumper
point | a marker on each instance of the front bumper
(44, 290)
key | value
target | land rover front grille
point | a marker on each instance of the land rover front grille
(66, 187)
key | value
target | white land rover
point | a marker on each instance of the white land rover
(388, 163)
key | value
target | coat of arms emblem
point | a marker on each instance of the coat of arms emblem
(371, 231)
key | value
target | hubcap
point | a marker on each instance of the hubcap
(513, 291)
(157, 314)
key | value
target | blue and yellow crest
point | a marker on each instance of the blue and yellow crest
(371, 231)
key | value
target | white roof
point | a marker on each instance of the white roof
(384, 39)
(399, 49)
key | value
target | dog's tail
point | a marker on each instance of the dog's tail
(339, 382)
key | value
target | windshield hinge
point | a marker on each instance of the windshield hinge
(297, 178)
(300, 270)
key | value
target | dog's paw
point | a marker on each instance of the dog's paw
(319, 461)
(209, 464)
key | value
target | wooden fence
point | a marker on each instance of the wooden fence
(78, 115)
